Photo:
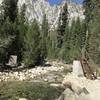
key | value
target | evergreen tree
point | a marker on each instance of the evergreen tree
(92, 14)
(74, 41)
(44, 36)
(63, 20)
(6, 38)
(52, 45)
(7, 28)
(32, 45)
(83, 36)
(70, 43)
(1, 15)
(66, 44)
(10, 9)
(93, 47)
(89, 6)
(8, 31)
(22, 27)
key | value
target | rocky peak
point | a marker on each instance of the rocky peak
(37, 8)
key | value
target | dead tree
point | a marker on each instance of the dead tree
(87, 69)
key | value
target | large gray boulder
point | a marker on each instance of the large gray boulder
(68, 95)
(12, 61)
(77, 68)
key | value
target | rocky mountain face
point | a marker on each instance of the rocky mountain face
(37, 8)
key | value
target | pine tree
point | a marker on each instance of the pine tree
(92, 14)
(63, 20)
(74, 41)
(70, 42)
(52, 45)
(10, 9)
(44, 36)
(93, 47)
(8, 31)
(66, 45)
(32, 45)
(6, 39)
(83, 36)
(21, 28)
(89, 6)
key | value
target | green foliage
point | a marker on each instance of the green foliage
(74, 41)
(2, 55)
(13, 30)
(94, 37)
(44, 37)
(7, 36)
(10, 9)
(92, 14)
(89, 6)
(22, 28)
(32, 45)
(8, 29)
(52, 45)
(63, 20)
(31, 91)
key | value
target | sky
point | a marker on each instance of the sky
(58, 1)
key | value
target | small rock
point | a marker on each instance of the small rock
(67, 95)
(56, 85)
(22, 99)
(45, 80)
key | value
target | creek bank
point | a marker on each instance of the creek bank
(53, 72)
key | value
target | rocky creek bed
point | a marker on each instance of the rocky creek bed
(54, 72)
(52, 82)
(39, 83)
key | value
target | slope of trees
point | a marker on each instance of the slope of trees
(33, 43)
(44, 35)
(8, 26)
(10, 9)
(63, 20)
(92, 14)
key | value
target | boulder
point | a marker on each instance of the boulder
(85, 97)
(75, 88)
(68, 95)
(77, 68)
(12, 60)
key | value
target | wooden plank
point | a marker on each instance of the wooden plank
(88, 72)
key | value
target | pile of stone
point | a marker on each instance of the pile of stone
(29, 73)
